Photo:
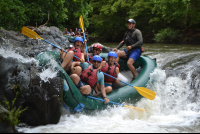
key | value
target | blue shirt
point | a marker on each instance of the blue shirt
(100, 76)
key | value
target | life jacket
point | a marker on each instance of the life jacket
(111, 71)
(117, 64)
(77, 53)
(90, 58)
(89, 76)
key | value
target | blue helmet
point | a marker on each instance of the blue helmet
(78, 39)
(112, 53)
(79, 29)
(96, 57)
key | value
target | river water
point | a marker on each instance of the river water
(175, 109)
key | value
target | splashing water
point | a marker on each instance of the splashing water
(175, 109)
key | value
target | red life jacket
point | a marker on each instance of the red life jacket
(77, 52)
(89, 76)
(90, 58)
(111, 71)
(117, 64)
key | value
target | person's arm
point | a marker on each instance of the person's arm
(103, 91)
(117, 72)
(138, 35)
(103, 63)
(63, 54)
(100, 78)
(77, 63)
(120, 44)
(82, 58)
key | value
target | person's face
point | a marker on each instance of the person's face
(111, 60)
(76, 29)
(79, 32)
(96, 64)
(78, 44)
(96, 51)
(130, 25)
(70, 30)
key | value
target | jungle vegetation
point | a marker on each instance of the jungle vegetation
(159, 20)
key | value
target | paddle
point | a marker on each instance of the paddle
(147, 93)
(141, 90)
(30, 33)
(82, 28)
(117, 103)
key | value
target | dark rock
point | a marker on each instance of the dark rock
(43, 99)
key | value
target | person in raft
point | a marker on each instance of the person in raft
(96, 51)
(110, 68)
(92, 76)
(68, 58)
(133, 39)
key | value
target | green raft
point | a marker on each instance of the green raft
(70, 38)
(75, 101)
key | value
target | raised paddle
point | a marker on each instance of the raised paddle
(82, 28)
(30, 33)
(117, 103)
(147, 93)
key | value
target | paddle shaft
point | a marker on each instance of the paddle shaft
(116, 78)
(86, 47)
(104, 100)
(58, 47)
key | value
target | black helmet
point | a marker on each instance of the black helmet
(131, 21)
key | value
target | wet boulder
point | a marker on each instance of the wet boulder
(43, 99)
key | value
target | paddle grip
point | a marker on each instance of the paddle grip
(59, 48)
(104, 100)
(86, 47)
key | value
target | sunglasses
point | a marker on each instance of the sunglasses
(95, 49)
(96, 61)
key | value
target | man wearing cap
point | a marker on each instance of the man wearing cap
(133, 40)
(91, 76)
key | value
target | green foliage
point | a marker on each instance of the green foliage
(166, 35)
(14, 14)
(13, 113)
(76, 8)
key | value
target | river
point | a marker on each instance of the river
(175, 109)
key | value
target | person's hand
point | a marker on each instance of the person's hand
(115, 49)
(117, 80)
(128, 47)
(61, 53)
(82, 61)
(106, 100)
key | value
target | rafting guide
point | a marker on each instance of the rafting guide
(133, 39)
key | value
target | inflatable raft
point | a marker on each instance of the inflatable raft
(70, 38)
(75, 101)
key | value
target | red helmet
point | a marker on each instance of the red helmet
(97, 46)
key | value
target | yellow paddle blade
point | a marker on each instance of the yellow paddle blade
(81, 23)
(135, 108)
(30, 33)
(146, 92)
